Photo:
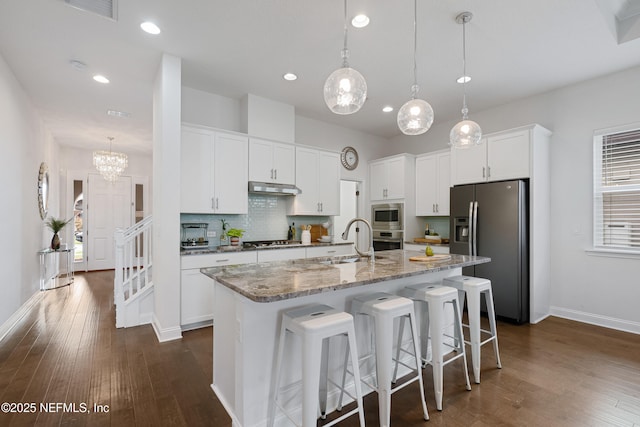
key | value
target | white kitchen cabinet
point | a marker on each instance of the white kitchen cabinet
(271, 161)
(322, 251)
(433, 177)
(197, 294)
(318, 176)
(196, 297)
(213, 172)
(268, 255)
(388, 177)
(501, 156)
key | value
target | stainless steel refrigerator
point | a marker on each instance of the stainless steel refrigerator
(491, 219)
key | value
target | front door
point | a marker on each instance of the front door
(108, 207)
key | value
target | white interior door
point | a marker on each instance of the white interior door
(108, 207)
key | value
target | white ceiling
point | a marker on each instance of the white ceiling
(515, 49)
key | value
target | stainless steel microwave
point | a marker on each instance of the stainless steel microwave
(387, 216)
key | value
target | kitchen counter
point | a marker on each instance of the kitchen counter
(250, 300)
(219, 250)
(275, 281)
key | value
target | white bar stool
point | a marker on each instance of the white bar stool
(383, 308)
(313, 324)
(474, 288)
(435, 296)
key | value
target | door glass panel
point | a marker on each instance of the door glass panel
(78, 210)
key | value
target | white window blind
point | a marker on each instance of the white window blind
(617, 190)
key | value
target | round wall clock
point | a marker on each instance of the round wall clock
(349, 158)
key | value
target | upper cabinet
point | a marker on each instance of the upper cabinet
(271, 161)
(318, 176)
(433, 177)
(501, 156)
(388, 177)
(213, 172)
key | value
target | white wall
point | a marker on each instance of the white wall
(25, 144)
(601, 290)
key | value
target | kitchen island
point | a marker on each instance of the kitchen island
(251, 298)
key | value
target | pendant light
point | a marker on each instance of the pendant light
(467, 132)
(416, 115)
(345, 90)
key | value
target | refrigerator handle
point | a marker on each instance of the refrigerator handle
(475, 228)
(470, 238)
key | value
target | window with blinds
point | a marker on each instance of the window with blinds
(617, 190)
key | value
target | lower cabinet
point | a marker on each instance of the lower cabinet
(197, 294)
(196, 297)
(319, 251)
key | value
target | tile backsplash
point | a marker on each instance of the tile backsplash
(267, 220)
(440, 224)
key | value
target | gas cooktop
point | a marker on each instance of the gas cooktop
(272, 243)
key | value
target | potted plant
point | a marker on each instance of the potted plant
(234, 235)
(56, 225)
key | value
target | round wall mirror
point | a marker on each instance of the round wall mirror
(43, 190)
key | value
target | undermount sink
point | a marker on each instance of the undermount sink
(344, 259)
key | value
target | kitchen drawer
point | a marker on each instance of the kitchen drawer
(319, 251)
(281, 254)
(217, 260)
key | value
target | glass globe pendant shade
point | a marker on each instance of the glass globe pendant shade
(465, 134)
(345, 91)
(415, 117)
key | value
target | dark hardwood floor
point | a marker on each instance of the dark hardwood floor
(67, 351)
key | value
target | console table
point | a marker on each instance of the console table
(54, 273)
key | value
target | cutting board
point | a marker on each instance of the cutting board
(317, 231)
(433, 239)
(434, 258)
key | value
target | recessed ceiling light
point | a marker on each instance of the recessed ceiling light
(150, 27)
(100, 78)
(360, 21)
(387, 109)
(290, 77)
(464, 79)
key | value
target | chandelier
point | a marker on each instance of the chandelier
(110, 165)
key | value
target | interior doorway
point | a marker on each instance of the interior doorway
(349, 209)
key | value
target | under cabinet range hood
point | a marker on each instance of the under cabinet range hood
(257, 187)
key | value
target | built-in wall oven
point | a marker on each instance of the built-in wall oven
(386, 221)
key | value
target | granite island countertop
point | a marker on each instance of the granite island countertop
(281, 280)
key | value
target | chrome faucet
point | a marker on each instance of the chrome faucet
(345, 236)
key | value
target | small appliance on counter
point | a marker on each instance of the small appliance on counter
(194, 235)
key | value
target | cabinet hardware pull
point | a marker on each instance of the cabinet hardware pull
(216, 203)
(488, 171)
(321, 207)
(483, 172)
(271, 173)
(331, 252)
(222, 260)
(275, 174)
(213, 206)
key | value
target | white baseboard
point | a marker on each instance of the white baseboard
(596, 319)
(19, 314)
(166, 334)
(226, 406)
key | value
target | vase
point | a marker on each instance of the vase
(235, 241)
(55, 242)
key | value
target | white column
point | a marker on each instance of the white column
(166, 190)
